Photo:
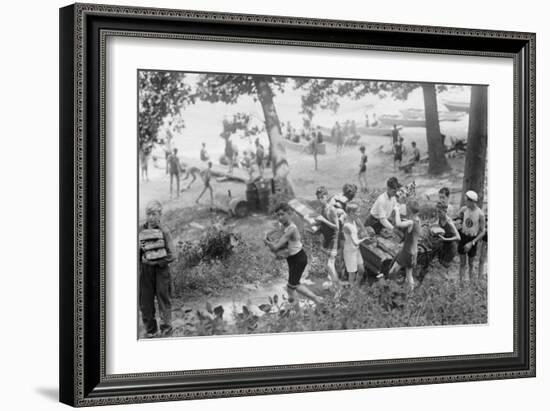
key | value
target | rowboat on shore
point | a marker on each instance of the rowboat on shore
(418, 114)
(376, 131)
(461, 106)
(399, 120)
(305, 147)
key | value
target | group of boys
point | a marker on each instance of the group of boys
(339, 226)
(398, 149)
(176, 169)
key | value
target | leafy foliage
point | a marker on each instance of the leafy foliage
(220, 260)
(385, 304)
(217, 243)
(244, 122)
(228, 88)
(161, 94)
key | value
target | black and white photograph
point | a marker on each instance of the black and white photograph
(282, 204)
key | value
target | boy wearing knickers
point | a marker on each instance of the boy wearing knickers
(297, 258)
(156, 252)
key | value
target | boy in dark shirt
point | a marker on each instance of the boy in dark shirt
(156, 252)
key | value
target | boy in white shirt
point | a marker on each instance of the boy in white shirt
(383, 207)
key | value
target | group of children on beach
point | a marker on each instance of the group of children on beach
(339, 225)
(340, 228)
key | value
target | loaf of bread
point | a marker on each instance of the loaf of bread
(153, 255)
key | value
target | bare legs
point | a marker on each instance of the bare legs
(194, 177)
(175, 176)
(331, 265)
(408, 273)
(482, 259)
(363, 181)
(303, 290)
(356, 276)
(462, 270)
(206, 187)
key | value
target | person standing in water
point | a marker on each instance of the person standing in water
(297, 258)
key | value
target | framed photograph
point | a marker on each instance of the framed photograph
(261, 204)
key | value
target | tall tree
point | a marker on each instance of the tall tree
(476, 152)
(228, 88)
(161, 94)
(436, 150)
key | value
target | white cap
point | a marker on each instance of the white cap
(472, 195)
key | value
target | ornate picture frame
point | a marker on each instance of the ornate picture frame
(84, 30)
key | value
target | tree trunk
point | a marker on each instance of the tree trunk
(436, 150)
(476, 151)
(279, 161)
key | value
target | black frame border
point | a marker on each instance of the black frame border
(83, 30)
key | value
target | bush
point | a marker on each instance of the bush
(221, 260)
(216, 244)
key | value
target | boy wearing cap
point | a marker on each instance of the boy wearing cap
(406, 258)
(383, 207)
(155, 252)
(471, 232)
